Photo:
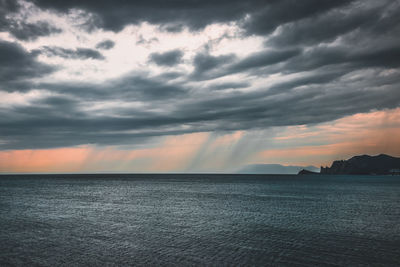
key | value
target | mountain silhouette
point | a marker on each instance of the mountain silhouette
(365, 164)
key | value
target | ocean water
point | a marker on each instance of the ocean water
(186, 220)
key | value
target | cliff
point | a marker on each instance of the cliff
(365, 164)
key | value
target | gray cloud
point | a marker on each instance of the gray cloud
(106, 45)
(19, 28)
(193, 14)
(8, 6)
(324, 57)
(310, 30)
(17, 66)
(29, 31)
(174, 27)
(78, 53)
(262, 59)
(169, 58)
(207, 67)
(179, 111)
(336, 58)
(229, 85)
(262, 16)
(315, 78)
(266, 19)
(142, 41)
(130, 87)
(205, 64)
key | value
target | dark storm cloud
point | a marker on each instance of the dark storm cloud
(57, 101)
(315, 78)
(207, 67)
(205, 64)
(270, 16)
(230, 85)
(106, 45)
(7, 6)
(262, 59)
(78, 53)
(174, 28)
(323, 28)
(20, 29)
(262, 16)
(17, 66)
(29, 31)
(326, 60)
(169, 58)
(114, 15)
(325, 57)
(56, 121)
(131, 87)
(140, 87)
(51, 107)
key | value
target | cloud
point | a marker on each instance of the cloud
(19, 28)
(106, 45)
(31, 31)
(326, 28)
(136, 86)
(204, 64)
(313, 78)
(333, 56)
(78, 53)
(142, 41)
(169, 58)
(174, 28)
(7, 6)
(194, 15)
(262, 59)
(241, 65)
(267, 18)
(229, 85)
(208, 67)
(18, 66)
(151, 106)
(255, 16)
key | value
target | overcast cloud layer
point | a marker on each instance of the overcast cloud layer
(120, 72)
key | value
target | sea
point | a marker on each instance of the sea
(199, 220)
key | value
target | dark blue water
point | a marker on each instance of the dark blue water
(80, 220)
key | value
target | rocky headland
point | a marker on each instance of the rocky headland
(379, 165)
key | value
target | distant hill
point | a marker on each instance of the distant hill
(306, 172)
(274, 169)
(365, 164)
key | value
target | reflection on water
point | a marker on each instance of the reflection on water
(199, 220)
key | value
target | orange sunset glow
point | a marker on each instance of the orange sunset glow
(372, 133)
(128, 87)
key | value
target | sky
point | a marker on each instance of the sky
(196, 86)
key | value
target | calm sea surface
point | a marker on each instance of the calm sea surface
(106, 220)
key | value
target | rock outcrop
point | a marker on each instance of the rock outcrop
(365, 164)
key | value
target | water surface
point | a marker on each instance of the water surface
(173, 219)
